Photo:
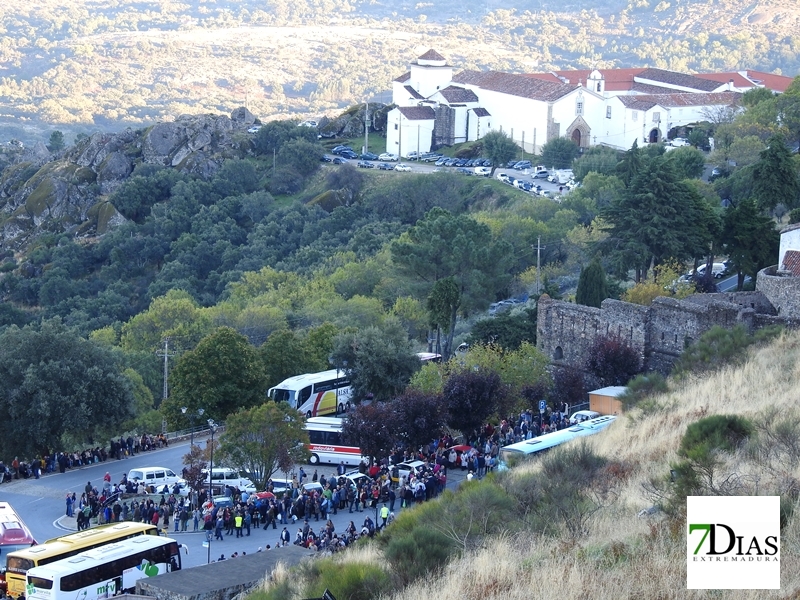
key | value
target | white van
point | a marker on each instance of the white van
(583, 415)
(227, 476)
(155, 478)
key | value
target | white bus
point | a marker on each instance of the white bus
(324, 435)
(325, 393)
(105, 571)
(315, 394)
(556, 438)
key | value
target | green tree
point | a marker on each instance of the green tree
(443, 245)
(597, 159)
(631, 164)
(56, 141)
(378, 361)
(656, 218)
(592, 285)
(775, 178)
(175, 315)
(788, 104)
(58, 390)
(301, 156)
(507, 330)
(499, 148)
(689, 162)
(272, 136)
(368, 427)
(416, 417)
(236, 177)
(749, 238)
(560, 153)
(264, 439)
(221, 375)
(471, 396)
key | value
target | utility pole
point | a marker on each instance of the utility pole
(539, 249)
(166, 354)
(366, 126)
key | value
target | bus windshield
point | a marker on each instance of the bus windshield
(279, 395)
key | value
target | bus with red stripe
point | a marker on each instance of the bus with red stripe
(315, 394)
(325, 445)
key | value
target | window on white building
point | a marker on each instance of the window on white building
(635, 115)
(656, 117)
(579, 107)
(395, 126)
(608, 112)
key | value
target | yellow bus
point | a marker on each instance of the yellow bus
(18, 562)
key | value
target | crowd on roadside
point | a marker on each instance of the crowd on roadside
(63, 461)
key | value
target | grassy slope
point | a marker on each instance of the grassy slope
(623, 555)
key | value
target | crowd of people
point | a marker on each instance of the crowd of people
(51, 462)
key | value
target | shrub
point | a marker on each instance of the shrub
(418, 552)
(352, 580)
(719, 347)
(641, 387)
(613, 361)
(717, 432)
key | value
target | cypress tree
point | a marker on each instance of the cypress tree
(592, 285)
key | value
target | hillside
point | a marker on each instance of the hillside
(136, 62)
(619, 552)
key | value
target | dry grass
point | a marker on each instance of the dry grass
(625, 556)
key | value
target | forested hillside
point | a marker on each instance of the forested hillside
(87, 66)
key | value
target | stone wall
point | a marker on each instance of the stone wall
(444, 126)
(782, 289)
(659, 333)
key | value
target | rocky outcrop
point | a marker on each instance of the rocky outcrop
(71, 194)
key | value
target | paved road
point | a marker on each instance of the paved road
(41, 503)
(729, 284)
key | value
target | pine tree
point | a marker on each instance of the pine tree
(775, 179)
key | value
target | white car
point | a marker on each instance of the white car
(401, 167)
(583, 415)
(678, 142)
(482, 171)
(254, 129)
(388, 157)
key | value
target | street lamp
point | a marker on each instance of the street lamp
(213, 426)
(192, 415)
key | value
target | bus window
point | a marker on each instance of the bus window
(283, 396)
(305, 394)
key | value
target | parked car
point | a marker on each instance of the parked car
(369, 156)
(441, 160)
(385, 167)
(339, 161)
(523, 164)
(413, 155)
(389, 157)
(363, 164)
(464, 171)
(541, 175)
(678, 142)
(583, 415)
(451, 162)
(338, 149)
(326, 158)
(347, 153)
(402, 167)
(482, 171)
(406, 468)
(502, 177)
(254, 129)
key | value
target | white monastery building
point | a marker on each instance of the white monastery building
(614, 107)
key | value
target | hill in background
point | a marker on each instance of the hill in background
(82, 68)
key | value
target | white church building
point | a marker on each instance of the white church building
(614, 107)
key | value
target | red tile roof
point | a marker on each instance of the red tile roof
(738, 80)
(648, 101)
(417, 113)
(414, 93)
(791, 262)
(515, 85)
(646, 88)
(458, 94)
(431, 55)
(639, 102)
(776, 83)
(675, 78)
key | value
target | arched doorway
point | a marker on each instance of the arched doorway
(576, 137)
(655, 134)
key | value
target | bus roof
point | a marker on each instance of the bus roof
(300, 381)
(105, 553)
(87, 537)
(13, 530)
(549, 440)
(325, 422)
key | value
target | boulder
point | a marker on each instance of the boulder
(242, 117)
(113, 171)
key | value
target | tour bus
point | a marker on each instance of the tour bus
(556, 438)
(325, 393)
(315, 394)
(324, 435)
(18, 563)
(106, 571)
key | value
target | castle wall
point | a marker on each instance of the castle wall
(782, 291)
(565, 331)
